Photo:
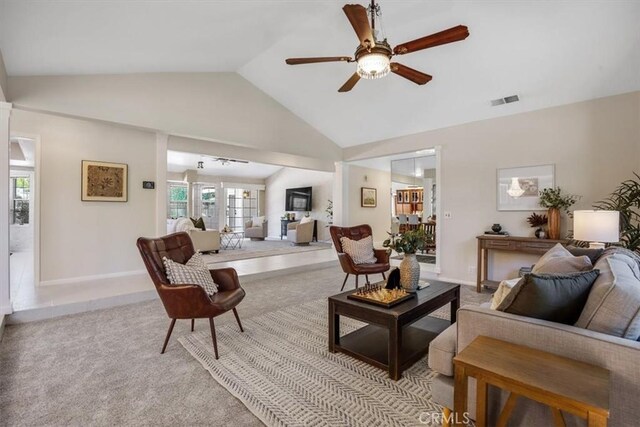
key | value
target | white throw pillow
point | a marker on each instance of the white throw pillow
(184, 224)
(306, 219)
(171, 225)
(360, 251)
(257, 221)
(194, 272)
(558, 260)
(503, 290)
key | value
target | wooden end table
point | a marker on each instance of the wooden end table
(395, 338)
(561, 383)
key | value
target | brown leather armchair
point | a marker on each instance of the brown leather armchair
(189, 301)
(348, 266)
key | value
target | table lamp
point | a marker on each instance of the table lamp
(596, 227)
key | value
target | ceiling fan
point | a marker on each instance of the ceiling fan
(374, 56)
(223, 160)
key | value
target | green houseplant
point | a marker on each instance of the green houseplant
(554, 200)
(626, 200)
(408, 243)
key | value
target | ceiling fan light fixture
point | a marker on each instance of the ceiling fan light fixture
(373, 66)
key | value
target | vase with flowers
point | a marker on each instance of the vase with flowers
(538, 222)
(554, 201)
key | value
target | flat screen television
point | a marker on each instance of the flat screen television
(298, 199)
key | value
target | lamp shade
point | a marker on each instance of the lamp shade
(596, 226)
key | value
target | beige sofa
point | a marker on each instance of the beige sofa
(256, 228)
(203, 241)
(300, 233)
(620, 355)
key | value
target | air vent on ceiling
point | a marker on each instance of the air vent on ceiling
(505, 100)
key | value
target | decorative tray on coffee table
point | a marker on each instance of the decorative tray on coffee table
(378, 295)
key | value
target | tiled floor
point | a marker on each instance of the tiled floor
(30, 304)
(21, 267)
(44, 302)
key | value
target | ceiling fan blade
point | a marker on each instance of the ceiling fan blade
(350, 83)
(298, 61)
(410, 74)
(443, 37)
(357, 15)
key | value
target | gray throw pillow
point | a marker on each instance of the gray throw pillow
(613, 306)
(593, 254)
(555, 297)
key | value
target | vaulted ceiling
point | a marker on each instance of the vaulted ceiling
(547, 52)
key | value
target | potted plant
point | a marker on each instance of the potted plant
(626, 200)
(329, 211)
(538, 222)
(408, 243)
(554, 201)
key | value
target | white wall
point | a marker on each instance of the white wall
(595, 145)
(276, 185)
(379, 218)
(223, 107)
(4, 92)
(80, 239)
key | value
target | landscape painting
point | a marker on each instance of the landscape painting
(369, 197)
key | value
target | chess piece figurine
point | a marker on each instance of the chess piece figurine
(394, 279)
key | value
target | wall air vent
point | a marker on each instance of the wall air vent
(505, 100)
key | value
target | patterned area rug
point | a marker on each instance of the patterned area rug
(281, 369)
(261, 248)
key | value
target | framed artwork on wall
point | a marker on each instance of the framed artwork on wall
(104, 181)
(368, 197)
(518, 189)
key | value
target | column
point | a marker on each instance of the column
(341, 194)
(162, 140)
(5, 299)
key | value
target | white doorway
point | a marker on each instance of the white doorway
(23, 221)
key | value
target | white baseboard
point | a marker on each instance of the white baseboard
(5, 310)
(3, 320)
(91, 278)
(459, 281)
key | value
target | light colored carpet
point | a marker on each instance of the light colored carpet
(261, 248)
(281, 369)
(104, 367)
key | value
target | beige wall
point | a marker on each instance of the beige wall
(594, 146)
(219, 106)
(4, 93)
(379, 218)
(218, 149)
(80, 239)
(276, 185)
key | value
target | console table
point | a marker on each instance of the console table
(285, 222)
(527, 245)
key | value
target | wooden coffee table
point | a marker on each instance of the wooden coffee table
(395, 338)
